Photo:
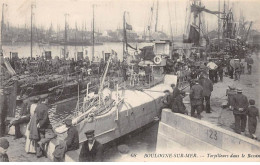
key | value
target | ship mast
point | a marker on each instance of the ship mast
(31, 30)
(199, 22)
(218, 24)
(170, 20)
(1, 50)
(2, 27)
(156, 21)
(93, 33)
(65, 36)
(124, 34)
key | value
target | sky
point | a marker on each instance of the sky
(109, 13)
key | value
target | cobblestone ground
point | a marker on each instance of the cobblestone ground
(224, 117)
(16, 152)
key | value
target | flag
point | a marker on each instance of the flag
(128, 27)
(194, 35)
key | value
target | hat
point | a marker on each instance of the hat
(36, 98)
(90, 132)
(239, 90)
(4, 143)
(182, 93)
(252, 102)
(232, 87)
(166, 91)
(68, 122)
(124, 149)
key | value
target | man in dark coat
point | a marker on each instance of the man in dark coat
(196, 96)
(240, 111)
(252, 113)
(92, 150)
(69, 144)
(167, 100)
(44, 126)
(4, 144)
(72, 139)
(193, 75)
(175, 91)
(220, 71)
(207, 89)
(24, 118)
(148, 73)
(178, 106)
(230, 93)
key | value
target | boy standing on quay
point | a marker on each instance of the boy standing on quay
(252, 113)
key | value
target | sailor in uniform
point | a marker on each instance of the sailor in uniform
(92, 150)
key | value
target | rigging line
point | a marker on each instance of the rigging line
(188, 23)
(185, 23)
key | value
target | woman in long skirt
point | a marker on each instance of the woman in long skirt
(30, 144)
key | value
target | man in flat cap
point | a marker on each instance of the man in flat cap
(23, 118)
(175, 91)
(253, 114)
(230, 93)
(92, 150)
(70, 143)
(240, 111)
(72, 139)
(207, 86)
(44, 126)
(4, 144)
(196, 96)
(177, 105)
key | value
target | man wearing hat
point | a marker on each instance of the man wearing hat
(70, 143)
(44, 126)
(193, 75)
(237, 69)
(23, 118)
(92, 150)
(4, 144)
(230, 93)
(178, 106)
(240, 111)
(252, 113)
(175, 91)
(72, 139)
(196, 96)
(167, 101)
(207, 86)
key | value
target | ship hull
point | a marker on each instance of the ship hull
(137, 109)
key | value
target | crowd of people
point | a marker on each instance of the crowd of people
(39, 133)
(44, 66)
(202, 78)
